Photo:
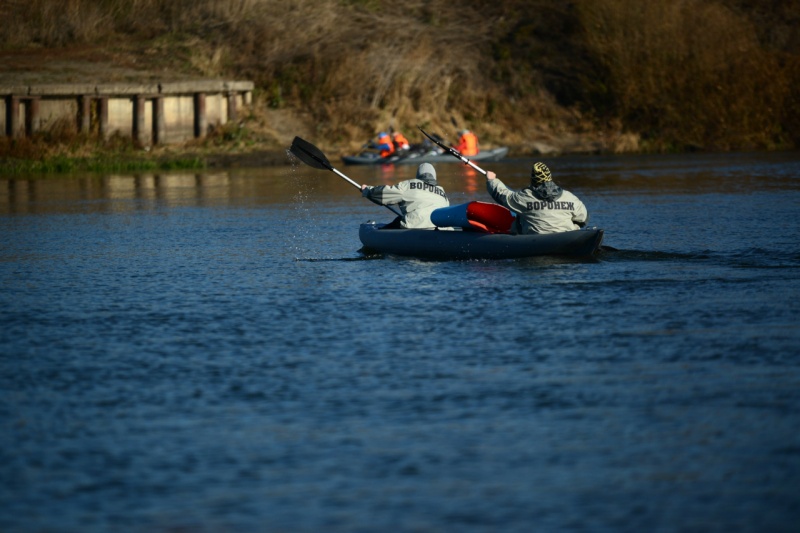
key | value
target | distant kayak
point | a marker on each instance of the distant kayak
(415, 157)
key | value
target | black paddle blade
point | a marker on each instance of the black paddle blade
(438, 140)
(435, 138)
(309, 154)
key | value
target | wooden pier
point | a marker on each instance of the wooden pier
(160, 113)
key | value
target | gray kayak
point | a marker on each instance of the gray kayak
(457, 243)
(410, 158)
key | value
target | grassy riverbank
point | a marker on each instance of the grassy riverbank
(542, 76)
(62, 149)
(112, 163)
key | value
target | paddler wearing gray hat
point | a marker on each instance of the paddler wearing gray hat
(543, 207)
(417, 198)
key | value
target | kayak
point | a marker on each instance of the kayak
(463, 243)
(414, 157)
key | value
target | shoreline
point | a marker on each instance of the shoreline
(259, 137)
(219, 160)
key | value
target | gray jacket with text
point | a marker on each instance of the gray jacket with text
(543, 209)
(416, 199)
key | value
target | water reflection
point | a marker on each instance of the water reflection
(119, 192)
(473, 182)
(589, 177)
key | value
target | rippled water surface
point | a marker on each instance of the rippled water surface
(211, 353)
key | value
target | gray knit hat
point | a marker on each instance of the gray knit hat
(426, 168)
(540, 174)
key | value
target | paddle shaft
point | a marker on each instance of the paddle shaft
(313, 157)
(455, 153)
(353, 183)
(357, 186)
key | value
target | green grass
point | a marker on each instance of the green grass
(64, 164)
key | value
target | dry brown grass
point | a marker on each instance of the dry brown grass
(61, 139)
(690, 72)
(676, 73)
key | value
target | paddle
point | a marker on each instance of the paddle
(313, 157)
(452, 151)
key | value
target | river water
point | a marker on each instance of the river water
(210, 353)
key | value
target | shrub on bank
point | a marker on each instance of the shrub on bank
(706, 74)
(689, 72)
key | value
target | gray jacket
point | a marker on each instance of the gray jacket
(543, 209)
(416, 198)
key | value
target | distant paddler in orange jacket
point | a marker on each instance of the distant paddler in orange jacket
(467, 143)
(400, 141)
(384, 144)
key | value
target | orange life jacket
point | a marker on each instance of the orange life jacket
(385, 145)
(467, 144)
(400, 141)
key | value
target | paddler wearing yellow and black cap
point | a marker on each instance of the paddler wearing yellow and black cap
(543, 207)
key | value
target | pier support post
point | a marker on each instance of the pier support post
(12, 116)
(84, 113)
(231, 106)
(200, 124)
(102, 116)
(159, 122)
(33, 121)
(138, 118)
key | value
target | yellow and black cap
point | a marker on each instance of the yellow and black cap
(540, 174)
